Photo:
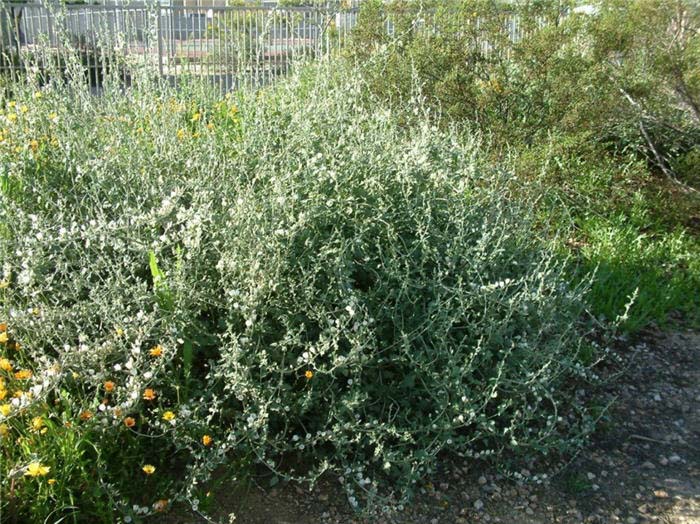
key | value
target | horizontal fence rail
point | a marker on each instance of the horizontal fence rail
(225, 45)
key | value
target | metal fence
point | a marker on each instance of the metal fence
(226, 45)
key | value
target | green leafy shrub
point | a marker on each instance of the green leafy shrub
(596, 112)
(287, 274)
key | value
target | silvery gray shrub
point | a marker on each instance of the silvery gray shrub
(337, 288)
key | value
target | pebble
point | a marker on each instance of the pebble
(478, 505)
(674, 458)
(482, 481)
(648, 465)
(663, 461)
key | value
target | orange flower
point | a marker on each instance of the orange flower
(161, 505)
(129, 422)
(156, 351)
(149, 394)
(109, 386)
(207, 440)
(309, 374)
(3, 327)
(23, 374)
(85, 415)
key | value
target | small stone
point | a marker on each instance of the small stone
(657, 397)
(674, 458)
(648, 465)
(631, 520)
(663, 461)
(478, 505)
(590, 475)
(481, 481)
(529, 511)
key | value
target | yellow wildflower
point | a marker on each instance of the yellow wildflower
(181, 134)
(4, 430)
(5, 409)
(156, 351)
(38, 424)
(24, 109)
(207, 440)
(34, 145)
(196, 117)
(168, 416)
(119, 332)
(5, 364)
(86, 415)
(12, 117)
(149, 469)
(109, 386)
(36, 469)
(51, 482)
(3, 337)
(3, 393)
(23, 374)
(149, 394)
(309, 374)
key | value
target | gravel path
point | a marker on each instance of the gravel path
(642, 466)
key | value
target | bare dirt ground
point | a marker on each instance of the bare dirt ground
(642, 466)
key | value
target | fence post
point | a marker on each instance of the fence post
(159, 36)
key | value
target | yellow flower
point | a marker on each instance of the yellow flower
(11, 104)
(207, 440)
(37, 423)
(309, 374)
(3, 337)
(24, 109)
(5, 409)
(12, 117)
(37, 95)
(23, 374)
(3, 393)
(181, 134)
(210, 126)
(36, 469)
(148, 469)
(4, 430)
(196, 117)
(129, 422)
(156, 351)
(149, 394)
(51, 482)
(168, 416)
(109, 386)
(5, 364)
(86, 415)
